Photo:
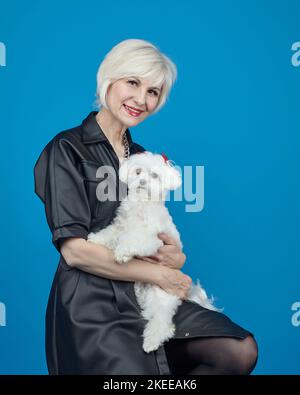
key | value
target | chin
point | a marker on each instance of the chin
(131, 121)
(135, 121)
(126, 121)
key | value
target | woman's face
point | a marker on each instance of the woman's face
(132, 99)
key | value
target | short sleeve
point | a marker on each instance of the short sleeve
(61, 187)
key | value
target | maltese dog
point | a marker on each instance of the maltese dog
(142, 214)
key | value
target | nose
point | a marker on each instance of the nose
(142, 182)
(140, 98)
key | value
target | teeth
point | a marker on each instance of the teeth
(133, 111)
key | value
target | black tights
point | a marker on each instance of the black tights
(212, 355)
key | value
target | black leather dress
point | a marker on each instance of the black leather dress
(93, 324)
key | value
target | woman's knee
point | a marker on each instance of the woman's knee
(245, 355)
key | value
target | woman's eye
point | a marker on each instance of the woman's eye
(151, 91)
(154, 175)
(138, 171)
(132, 82)
(155, 92)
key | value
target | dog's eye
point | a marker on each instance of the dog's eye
(138, 171)
(154, 175)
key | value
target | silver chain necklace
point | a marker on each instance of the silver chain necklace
(126, 146)
(125, 143)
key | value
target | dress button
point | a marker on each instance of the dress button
(187, 333)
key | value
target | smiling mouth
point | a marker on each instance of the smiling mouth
(133, 112)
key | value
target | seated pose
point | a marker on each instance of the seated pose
(93, 321)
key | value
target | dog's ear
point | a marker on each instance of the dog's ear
(172, 177)
(123, 171)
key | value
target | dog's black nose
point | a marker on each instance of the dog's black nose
(142, 182)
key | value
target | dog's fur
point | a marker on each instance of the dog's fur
(139, 218)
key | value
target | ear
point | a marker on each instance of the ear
(123, 171)
(172, 177)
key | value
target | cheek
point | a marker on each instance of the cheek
(118, 95)
(124, 93)
(119, 99)
(152, 103)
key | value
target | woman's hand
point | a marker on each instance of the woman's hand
(174, 282)
(170, 254)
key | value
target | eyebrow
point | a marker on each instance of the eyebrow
(151, 87)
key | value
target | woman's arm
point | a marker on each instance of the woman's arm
(99, 260)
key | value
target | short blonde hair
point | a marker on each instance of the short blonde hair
(138, 58)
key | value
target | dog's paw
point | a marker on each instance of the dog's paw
(155, 335)
(120, 258)
(126, 258)
(169, 332)
(150, 345)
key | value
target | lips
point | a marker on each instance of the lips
(134, 112)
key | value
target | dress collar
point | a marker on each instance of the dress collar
(92, 133)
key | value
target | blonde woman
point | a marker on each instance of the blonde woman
(93, 321)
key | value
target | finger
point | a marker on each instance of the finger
(144, 258)
(167, 239)
(157, 256)
(139, 257)
(168, 249)
(150, 260)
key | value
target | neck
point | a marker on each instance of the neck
(111, 127)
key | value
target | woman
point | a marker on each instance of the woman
(93, 321)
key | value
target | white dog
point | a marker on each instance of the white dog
(139, 218)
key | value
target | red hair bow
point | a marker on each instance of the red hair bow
(164, 156)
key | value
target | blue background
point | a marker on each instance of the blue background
(233, 110)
